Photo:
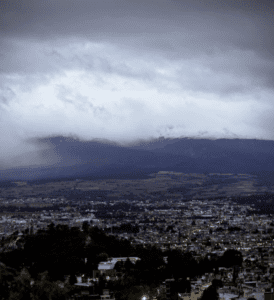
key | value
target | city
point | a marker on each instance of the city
(206, 228)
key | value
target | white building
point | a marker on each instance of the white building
(109, 265)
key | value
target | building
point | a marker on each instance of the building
(109, 265)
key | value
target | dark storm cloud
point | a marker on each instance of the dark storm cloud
(224, 21)
(134, 69)
(173, 29)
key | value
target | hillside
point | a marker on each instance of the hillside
(77, 159)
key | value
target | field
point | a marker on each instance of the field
(166, 183)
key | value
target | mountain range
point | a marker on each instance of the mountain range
(72, 158)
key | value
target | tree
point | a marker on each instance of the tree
(219, 229)
(234, 228)
(7, 279)
(183, 286)
(43, 289)
(210, 293)
(26, 231)
(205, 265)
(22, 287)
(170, 228)
(207, 243)
(231, 258)
(235, 273)
(119, 266)
(128, 265)
(85, 227)
(51, 228)
(72, 279)
(181, 264)
(217, 283)
(102, 257)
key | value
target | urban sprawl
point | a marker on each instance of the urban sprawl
(206, 227)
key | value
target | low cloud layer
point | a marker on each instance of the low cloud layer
(127, 70)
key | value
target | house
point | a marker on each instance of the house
(107, 267)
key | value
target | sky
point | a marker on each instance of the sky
(125, 70)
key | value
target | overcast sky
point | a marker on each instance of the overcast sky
(135, 69)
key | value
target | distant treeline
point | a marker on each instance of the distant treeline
(263, 203)
(15, 208)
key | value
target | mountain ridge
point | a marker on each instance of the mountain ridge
(75, 158)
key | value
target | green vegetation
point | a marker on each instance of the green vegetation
(49, 255)
(210, 293)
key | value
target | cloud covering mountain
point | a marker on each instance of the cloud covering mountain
(72, 158)
(126, 70)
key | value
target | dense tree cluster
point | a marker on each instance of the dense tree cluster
(210, 293)
(234, 228)
(59, 250)
(123, 228)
